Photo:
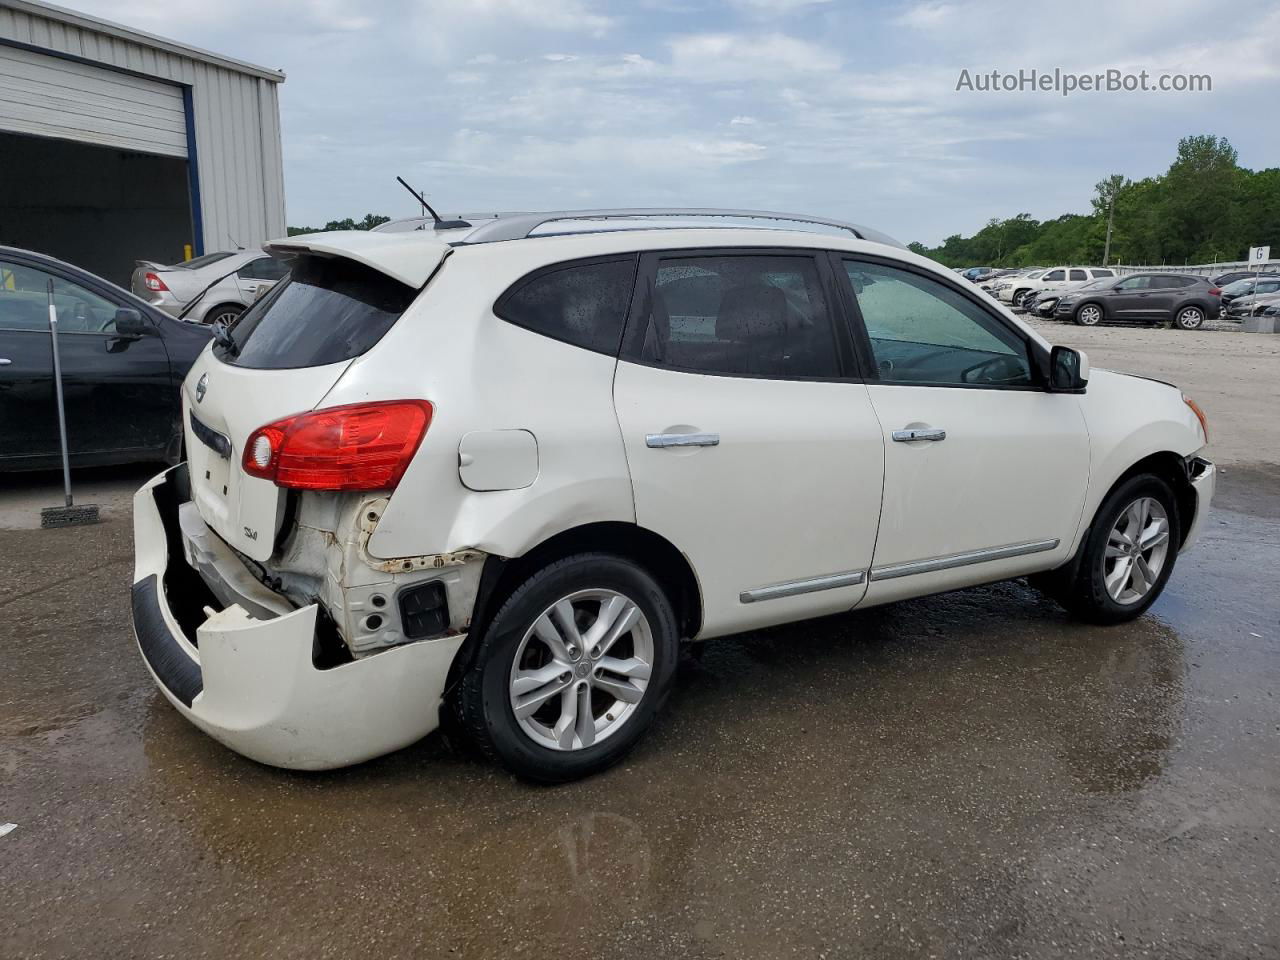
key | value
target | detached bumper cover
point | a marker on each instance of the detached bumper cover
(1204, 478)
(252, 683)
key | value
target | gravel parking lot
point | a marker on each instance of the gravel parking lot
(970, 775)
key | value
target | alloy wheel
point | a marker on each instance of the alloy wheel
(1190, 318)
(581, 669)
(223, 316)
(1089, 315)
(1137, 548)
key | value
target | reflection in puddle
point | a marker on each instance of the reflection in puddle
(914, 744)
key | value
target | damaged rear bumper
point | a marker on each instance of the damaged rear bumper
(253, 683)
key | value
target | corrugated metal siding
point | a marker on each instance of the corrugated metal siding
(236, 113)
(52, 97)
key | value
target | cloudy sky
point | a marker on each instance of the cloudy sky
(848, 109)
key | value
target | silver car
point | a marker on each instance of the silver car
(237, 277)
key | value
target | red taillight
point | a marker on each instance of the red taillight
(363, 446)
(1215, 291)
(152, 282)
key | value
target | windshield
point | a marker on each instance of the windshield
(329, 309)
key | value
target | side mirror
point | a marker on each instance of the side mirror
(1068, 370)
(129, 323)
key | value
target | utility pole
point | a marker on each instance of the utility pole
(1111, 216)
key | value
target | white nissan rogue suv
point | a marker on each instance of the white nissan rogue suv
(501, 470)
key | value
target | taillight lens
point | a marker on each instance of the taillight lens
(362, 446)
(1215, 292)
(1195, 408)
(152, 282)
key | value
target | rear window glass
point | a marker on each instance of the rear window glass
(199, 262)
(583, 303)
(327, 311)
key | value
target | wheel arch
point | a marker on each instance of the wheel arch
(657, 555)
(1172, 469)
(221, 304)
(1168, 466)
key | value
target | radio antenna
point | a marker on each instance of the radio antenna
(439, 224)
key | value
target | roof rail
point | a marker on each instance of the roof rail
(519, 226)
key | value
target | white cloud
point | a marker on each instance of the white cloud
(927, 16)
(725, 57)
(774, 8)
(743, 121)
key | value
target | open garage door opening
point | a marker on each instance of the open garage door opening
(100, 208)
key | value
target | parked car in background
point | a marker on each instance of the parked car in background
(1060, 279)
(238, 278)
(1011, 289)
(1251, 305)
(1267, 307)
(1250, 286)
(990, 282)
(979, 274)
(366, 532)
(1180, 300)
(1039, 304)
(1225, 279)
(121, 359)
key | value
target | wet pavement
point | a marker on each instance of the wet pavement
(970, 775)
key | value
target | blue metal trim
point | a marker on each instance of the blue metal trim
(193, 172)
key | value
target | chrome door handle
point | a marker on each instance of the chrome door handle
(920, 433)
(659, 440)
(5, 361)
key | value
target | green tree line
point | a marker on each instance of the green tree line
(1205, 208)
(370, 221)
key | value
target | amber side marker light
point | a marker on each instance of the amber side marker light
(1195, 408)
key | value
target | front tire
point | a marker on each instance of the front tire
(1189, 318)
(572, 669)
(1089, 315)
(1127, 557)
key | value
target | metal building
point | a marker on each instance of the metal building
(116, 145)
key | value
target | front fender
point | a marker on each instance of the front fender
(1130, 419)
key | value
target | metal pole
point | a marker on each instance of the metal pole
(57, 382)
(1111, 209)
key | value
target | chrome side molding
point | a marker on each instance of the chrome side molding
(660, 440)
(892, 571)
(895, 570)
(793, 587)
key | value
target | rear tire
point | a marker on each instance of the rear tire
(226, 313)
(1127, 556)
(1189, 318)
(554, 695)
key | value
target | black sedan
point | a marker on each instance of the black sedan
(1173, 299)
(122, 361)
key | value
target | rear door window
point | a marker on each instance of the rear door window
(1079, 275)
(754, 315)
(582, 303)
(329, 309)
(264, 268)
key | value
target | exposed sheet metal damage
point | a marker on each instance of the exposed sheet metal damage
(323, 557)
